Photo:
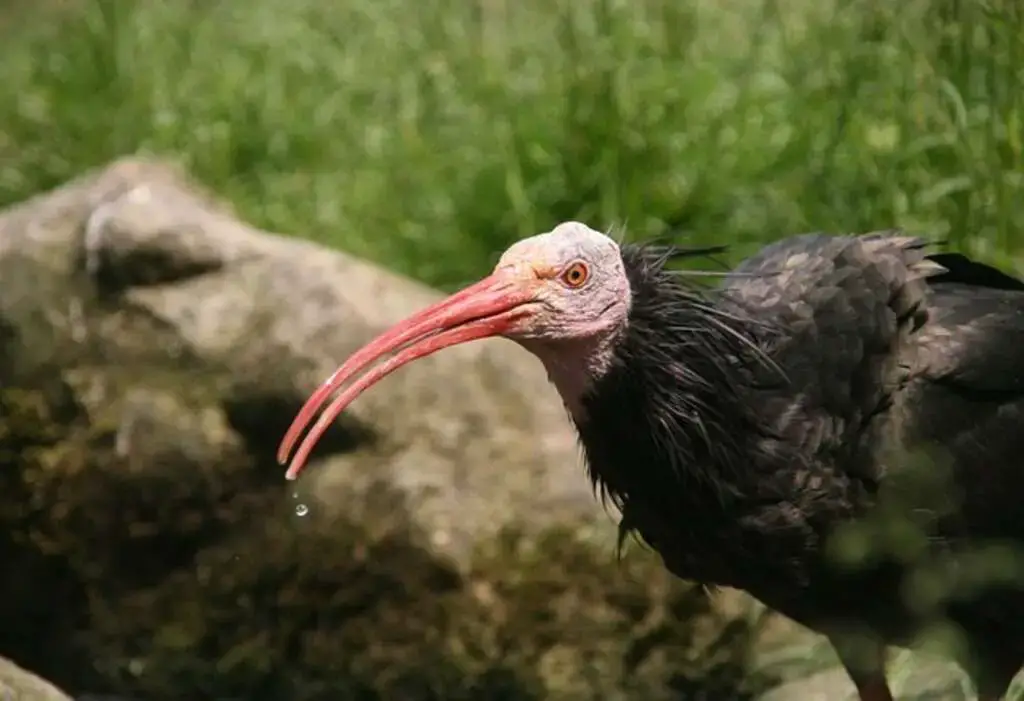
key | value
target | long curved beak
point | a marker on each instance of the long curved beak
(489, 307)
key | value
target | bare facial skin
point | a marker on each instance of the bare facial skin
(563, 295)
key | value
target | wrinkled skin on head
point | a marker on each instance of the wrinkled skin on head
(570, 309)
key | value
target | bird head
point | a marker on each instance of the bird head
(563, 294)
(569, 282)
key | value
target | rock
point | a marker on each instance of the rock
(18, 685)
(146, 273)
(444, 544)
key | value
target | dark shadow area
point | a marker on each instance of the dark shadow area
(262, 419)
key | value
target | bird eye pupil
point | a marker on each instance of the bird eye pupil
(576, 275)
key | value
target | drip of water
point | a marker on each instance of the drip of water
(300, 509)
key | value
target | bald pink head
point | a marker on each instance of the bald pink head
(563, 295)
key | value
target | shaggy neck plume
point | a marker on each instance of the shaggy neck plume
(672, 394)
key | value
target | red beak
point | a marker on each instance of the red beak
(488, 308)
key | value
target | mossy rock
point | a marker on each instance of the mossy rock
(170, 592)
(152, 351)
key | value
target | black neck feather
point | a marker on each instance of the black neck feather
(668, 425)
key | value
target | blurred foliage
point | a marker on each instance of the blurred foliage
(428, 135)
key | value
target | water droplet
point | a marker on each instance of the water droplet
(301, 510)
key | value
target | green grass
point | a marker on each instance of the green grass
(427, 135)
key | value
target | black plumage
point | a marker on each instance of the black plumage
(830, 380)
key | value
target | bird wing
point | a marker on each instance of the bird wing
(975, 330)
(967, 396)
(840, 313)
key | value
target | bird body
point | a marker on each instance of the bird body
(741, 429)
(819, 368)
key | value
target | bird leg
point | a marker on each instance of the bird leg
(991, 666)
(992, 696)
(994, 684)
(864, 663)
(872, 688)
(993, 689)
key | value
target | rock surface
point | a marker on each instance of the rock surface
(443, 544)
(136, 269)
(16, 684)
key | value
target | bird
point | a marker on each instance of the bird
(742, 428)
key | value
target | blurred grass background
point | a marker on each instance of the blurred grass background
(428, 134)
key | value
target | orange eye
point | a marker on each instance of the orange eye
(576, 274)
